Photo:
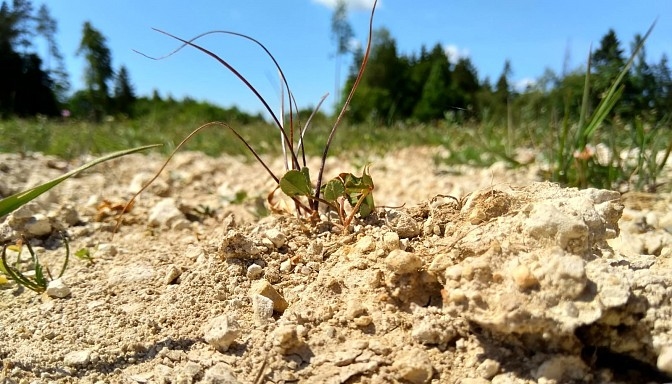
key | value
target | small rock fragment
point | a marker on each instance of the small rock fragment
(365, 245)
(402, 262)
(404, 225)
(285, 338)
(264, 288)
(488, 368)
(162, 373)
(428, 332)
(286, 266)
(221, 331)
(254, 271)
(664, 362)
(220, 373)
(390, 241)
(57, 288)
(276, 237)
(38, 225)
(77, 358)
(262, 307)
(172, 274)
(164, 213)
(106, 249)
(523, 278)
(236, 244)
(562, 369)
(414, 366)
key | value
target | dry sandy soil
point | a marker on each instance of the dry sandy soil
(483, 276)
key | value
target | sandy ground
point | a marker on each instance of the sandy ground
(483, 276)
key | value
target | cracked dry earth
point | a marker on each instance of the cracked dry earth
(484, 276)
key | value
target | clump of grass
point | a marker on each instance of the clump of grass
(576, 163)
(296, 183)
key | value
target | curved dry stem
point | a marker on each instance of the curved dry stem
(239, 76)
(292, 100)
(177, 148)
(347, 102)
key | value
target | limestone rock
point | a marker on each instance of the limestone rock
(221, 332)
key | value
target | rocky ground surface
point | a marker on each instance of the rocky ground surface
(483, 276)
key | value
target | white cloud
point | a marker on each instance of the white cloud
(523, 84)
(354, 5)
(455, 53)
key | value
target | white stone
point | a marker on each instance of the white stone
(488, 368)
(57, 288)
(221, 331)
(38, 225)
(414, 366)
(77, 358)
(254, 271)
(664, 362)
(365, 245)
(390, 241)
(402, 262)
(276, 237)
(164, 213)
(262, 307)
(220, 373)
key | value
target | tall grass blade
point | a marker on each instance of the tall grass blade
(345, 107)
(15, 201)
(615, 91)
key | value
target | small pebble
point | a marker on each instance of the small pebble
(488, 369)
(365, 245)
(402, 262)
(264, 288)
(254, 271)
(286, 338)
(220, 373)
(276, 237)
(414, 366)
(172, 274)
(221, 331)
(523, 278)
(286, 266)
(77, 358)
(262, 307)
(390, 241)
(664, 362)
(57, 288)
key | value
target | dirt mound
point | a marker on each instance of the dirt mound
(484, 276)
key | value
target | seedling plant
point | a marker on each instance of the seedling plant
(344, 190)
(39, 281)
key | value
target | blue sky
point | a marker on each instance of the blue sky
(534, 35)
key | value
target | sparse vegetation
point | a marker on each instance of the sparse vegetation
(296, 182)
(40, 277)
(38, 282)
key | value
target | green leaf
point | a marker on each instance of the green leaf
(11, 203)
(333, 190)
(367, 206)
(296, 183)
(358, 188)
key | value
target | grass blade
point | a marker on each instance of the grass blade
(15, 201)
(614, 92)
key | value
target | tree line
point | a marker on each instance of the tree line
(428, 86)
(32, 84)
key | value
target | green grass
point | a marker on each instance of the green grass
(470, 143)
